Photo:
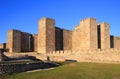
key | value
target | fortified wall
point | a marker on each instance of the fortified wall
(103, 35)
(115, 41)
(85, 35)
(63, 39)
(51, 38)
(46, 35)
(89, 40)
(59, 38)
(18, 41)
(35, 42)
(2, 45)
(99, 55)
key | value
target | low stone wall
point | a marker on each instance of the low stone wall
(15, 68)
(98, 55)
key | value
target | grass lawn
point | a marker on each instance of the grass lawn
(74, 71)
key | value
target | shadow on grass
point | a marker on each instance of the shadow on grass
(66, 62)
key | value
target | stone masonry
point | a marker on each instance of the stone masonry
(85, 35)
(104, 36)
(58, 38)
(35, 42)
(25, 42)
(19, 41)
(13, 41)
(116, 42)
(86, 39)
(76, 35)
(1, 55)
(67, 39)
(3, 46)
(46, 35)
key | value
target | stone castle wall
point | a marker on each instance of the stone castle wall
(58, 38)
(25, 42)
(63, 39)
(67, 39)
(99, 55)
(19, 41)
(116, 41)
(46, 35)
(14, 41)
(3, 46)
(85, 35)
(76, 38)
(93, 33)
(35, 42)
(87, 42)
(50, 36)
(104, 36)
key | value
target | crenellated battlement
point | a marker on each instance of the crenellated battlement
(105, 24)
(46, 22)
(89, 41)
(87, 19)
(100, 55)
(76, 27)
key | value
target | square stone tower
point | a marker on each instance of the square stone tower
(46, 35)
(103, 35)
(115, 42)
(85, 34)
(14, 41)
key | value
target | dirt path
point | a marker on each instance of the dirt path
(39, 70)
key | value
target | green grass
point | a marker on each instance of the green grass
(74, 71)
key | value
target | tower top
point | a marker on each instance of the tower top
(46, 18)
(88, 20)
(104, 23)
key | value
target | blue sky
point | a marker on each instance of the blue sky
(24, 14)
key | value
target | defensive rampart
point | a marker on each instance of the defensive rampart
(99, 55)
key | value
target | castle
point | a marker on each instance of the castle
(87, 38)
